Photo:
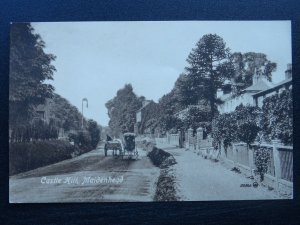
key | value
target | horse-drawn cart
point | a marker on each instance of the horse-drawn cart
(123, 148)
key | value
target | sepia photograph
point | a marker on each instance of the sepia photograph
(148, 111)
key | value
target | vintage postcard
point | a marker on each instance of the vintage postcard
(150, 111)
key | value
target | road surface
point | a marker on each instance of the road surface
(90, 177)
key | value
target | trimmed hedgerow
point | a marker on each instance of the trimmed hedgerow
(30, 155)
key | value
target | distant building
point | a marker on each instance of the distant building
(255, 94)
(143, 114)
(140, 111)
(42, 111)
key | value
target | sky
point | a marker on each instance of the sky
(95, 59)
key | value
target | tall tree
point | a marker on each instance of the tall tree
(122, 110)
(247, 65)
(30, 67)
(209, 66)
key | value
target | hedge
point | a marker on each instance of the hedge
(30, 155)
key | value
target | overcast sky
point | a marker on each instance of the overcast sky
(95, 59)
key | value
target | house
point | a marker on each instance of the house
(278, 88)
(144, 114)
(42, 111)
(140, 111)
(255, 94)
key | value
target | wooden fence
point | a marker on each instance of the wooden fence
(279, 166)
(286, 162)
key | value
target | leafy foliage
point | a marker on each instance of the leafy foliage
(242, 125)
(31, 155)
(209, 66)
(65, 115)
(168, 122)
(195, 117)
(262, 158)
(224, 129)
(247, 132)
(82, 139)
(277, 119)
(94, 132)
(122, 110)
(30, 66)
(248, 64)
(37, 130)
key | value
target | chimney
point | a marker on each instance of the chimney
(145, 102)
(288, 72)
(255, 77)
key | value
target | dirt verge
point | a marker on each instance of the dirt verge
(165, 185)
(160, 158)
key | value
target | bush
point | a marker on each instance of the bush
(277, 120)
(160, 158)
(197, 117)
(247, 132)
(241, 124)
(224, 128)
(262, 158)
(94, 133)
(31, 155)
(82, 139)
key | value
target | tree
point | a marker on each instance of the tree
(224, 128)
(94, 131)
(209, 66)
(188, 90)
(195, 117)
(247, 132)
(247, 65)
(66, 116)
(122, 110)
(30, 67)
(241, 124)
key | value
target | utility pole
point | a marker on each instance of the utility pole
(83, 100)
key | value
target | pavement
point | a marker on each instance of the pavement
(199, 179)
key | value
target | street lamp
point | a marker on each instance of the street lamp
(83, 100)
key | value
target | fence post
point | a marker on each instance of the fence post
(251, 160)
(234, 155)
(199, 137)
(190, 136)
(277, 165)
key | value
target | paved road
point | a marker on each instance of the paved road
(90, 177)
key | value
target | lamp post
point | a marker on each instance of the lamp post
(83, 100)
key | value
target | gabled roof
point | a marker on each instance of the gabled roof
(261, 85)
(274, 87)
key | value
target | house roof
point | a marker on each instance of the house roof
(259, 86)
(276, 86)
